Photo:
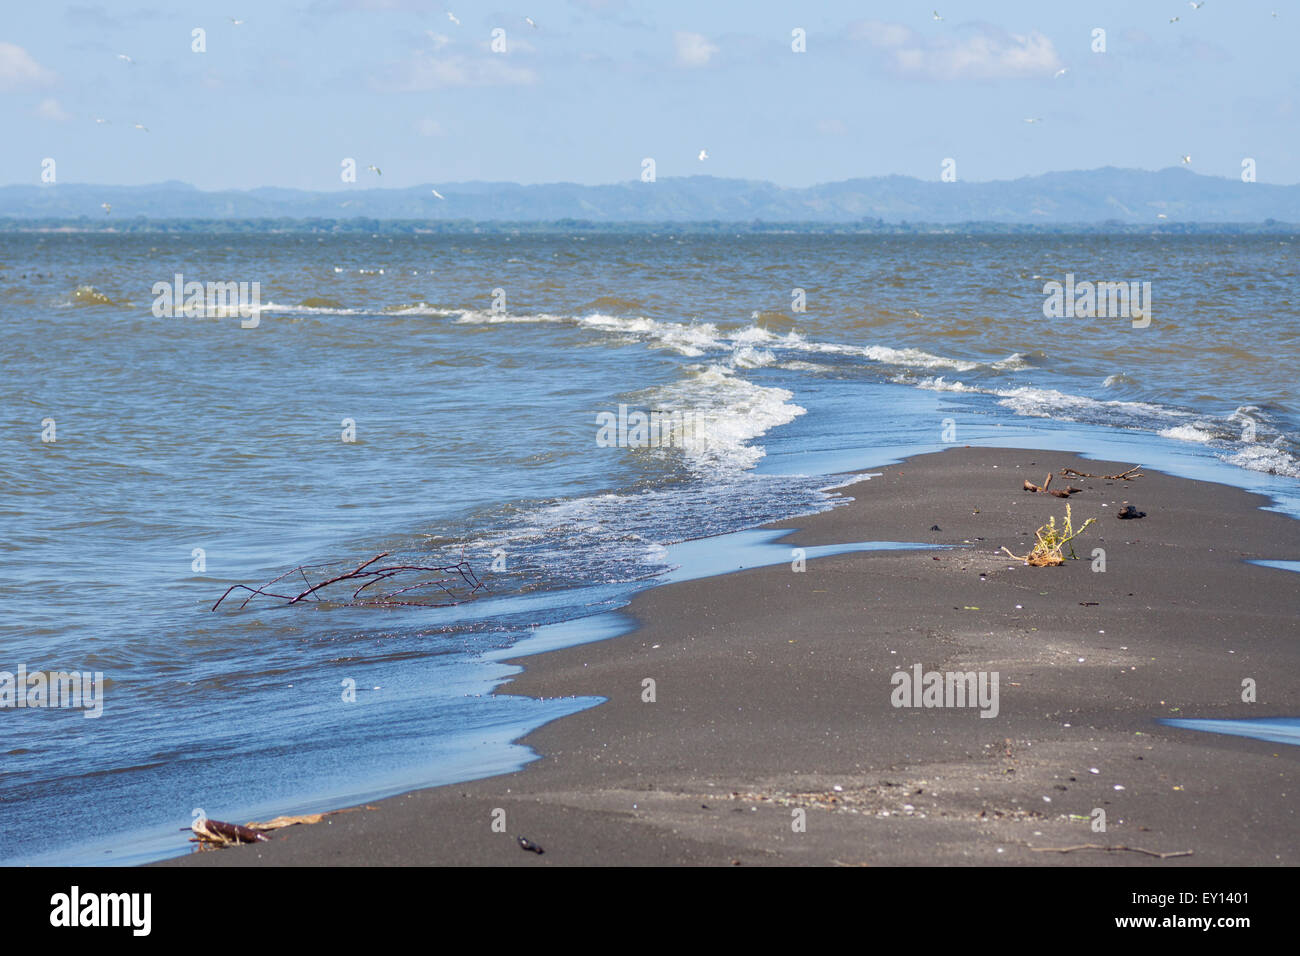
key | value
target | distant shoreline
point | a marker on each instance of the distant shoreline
(353, 226)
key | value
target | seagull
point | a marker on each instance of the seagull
(438, 194)
(1161, 215)
(107, 207)
(1036, 119)
(1173, 19)
(236, 22)
(936, 16)
(704, 154)
(1187, 160)
(141, 126)
(1196, 6)
(531, 22)
(124, 58)
(376, 170)
(1061, 72)
(101, 122)
(452, 17)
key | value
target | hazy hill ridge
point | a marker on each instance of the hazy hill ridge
(1094, 196)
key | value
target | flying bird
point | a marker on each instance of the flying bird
(107, 207)
(438, 194)
(101, 122)
(124, 58)
(1187, 160)
(1061, 72)
(531, 22)
(1173, 19)
(375, 169)
(1196, 6)
(704, 154)
(452, 17)
(236, 22)
(1161, 215)
(141, 126)
(1035, 119)
(936, 16)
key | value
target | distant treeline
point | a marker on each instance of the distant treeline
(408, 227)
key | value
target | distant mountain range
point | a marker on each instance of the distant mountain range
(1121, 196)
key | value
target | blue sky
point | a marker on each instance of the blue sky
(597, 85)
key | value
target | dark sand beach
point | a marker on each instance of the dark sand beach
(773, 693)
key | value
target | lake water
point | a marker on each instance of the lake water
(438, 398)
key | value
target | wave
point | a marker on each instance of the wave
(694, 339)
(306, 307)
(326, 306)
(759, 346)
(1266, 458)
(620, 537)
(1119, 378)
(724, 413)
(1232, 437)
(419, 308)
(1191, 433)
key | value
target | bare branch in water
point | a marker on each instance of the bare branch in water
(458, 582)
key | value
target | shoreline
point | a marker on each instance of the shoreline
(773, 695)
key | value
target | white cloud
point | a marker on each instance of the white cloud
(50, 109)
(18, 69)
(442, 67)
(693, 49)
(439, 40)
(982, 52)
(431, 73)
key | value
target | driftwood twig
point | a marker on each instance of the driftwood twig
(1109, 848)
(1046, 486)
(217, 833)
(1122, 476)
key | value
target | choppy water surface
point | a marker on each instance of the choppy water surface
(476, 439)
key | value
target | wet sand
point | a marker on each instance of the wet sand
(773, 695)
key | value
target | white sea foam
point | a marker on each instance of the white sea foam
(937, 384)
(1192, 433)
(1017, 361)
(748, 357)
(477, 317)
(1257, 456)
(727, 414)
(754, 335)
(309, 309)
(1051, 403)
(880, 353)
(421, 308)
(697, 338)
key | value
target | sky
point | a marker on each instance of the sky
(591, 88)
